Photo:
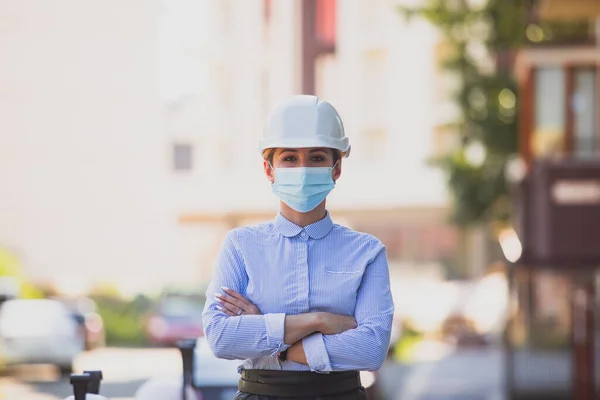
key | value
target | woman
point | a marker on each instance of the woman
(304, 302)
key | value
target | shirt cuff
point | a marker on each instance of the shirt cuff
(275, 324)
(316, 353)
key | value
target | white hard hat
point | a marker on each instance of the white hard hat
(163, 388)
(304, 121)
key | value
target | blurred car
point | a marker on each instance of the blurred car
(93, 330)
(214, 378)
(211, 379)
(39, 332)
(9, 288)
(90, 322)
(175, 317)
(217, 379)
(395, 334)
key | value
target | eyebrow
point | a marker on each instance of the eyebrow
(317, 150)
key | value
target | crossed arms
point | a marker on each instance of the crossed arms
(323, 341)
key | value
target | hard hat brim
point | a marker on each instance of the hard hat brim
(342, 145)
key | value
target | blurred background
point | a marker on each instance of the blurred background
(128, 148)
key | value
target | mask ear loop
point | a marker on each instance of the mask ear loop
(272, 169)
(333, 168)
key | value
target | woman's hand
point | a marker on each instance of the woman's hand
(296, 353)
(327, 324)
(234, 304)
(331, 324)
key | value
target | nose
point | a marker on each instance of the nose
(304, 161)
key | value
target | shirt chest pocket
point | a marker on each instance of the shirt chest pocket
(344, 270)
(341, 287)
(344, 279)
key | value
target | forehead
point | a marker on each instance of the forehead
(307, 150)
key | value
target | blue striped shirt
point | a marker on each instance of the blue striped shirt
(285, 269)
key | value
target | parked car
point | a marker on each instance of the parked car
(207, 377)
(39, 332)
(214, 378)
(175, 317)
(85, 312)
(94, 331)
(217, 379)
(211, 378)
(9, 288)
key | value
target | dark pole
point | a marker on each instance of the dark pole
(508, 349)
(80, 384)
(187, 347)
(95, 379)
(583, 296)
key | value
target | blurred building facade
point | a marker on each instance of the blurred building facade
(377, 70)
(559, 85)
(128, 142)
(82, 150)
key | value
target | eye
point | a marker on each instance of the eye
(289, 158)
(318, 158)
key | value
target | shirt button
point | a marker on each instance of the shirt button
(303, 235)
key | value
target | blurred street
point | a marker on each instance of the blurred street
(154, 151)
(124, 371)
(465, 374)
(444, 373)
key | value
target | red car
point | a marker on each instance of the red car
(175, 317)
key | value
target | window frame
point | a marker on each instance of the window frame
(175, 167)
(569, 60)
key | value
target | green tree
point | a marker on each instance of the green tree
(487, 97)
(10, 268)
(487, 100)
(9, 264)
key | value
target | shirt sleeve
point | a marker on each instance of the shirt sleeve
(238, 337)
(365, 347)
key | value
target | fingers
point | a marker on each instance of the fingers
(236, 295)
(224, 310)
(253, 310)
(233, 304)
(229, 308)
(225, 298)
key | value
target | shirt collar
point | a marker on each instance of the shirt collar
(317, 230)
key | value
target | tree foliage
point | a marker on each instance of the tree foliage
(10, 268)
(487, 99)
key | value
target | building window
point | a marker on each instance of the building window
(549, 124)
(182, 157)
(223, 86)
(560, 111)
(326, 76)
(225, 14)
(583, 104)
(224, 150)
(374, 84)
(374, 144)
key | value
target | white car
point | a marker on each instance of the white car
(217, 379)
(213, 379)
(39, 332)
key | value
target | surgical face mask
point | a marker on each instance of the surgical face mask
(303, 188)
